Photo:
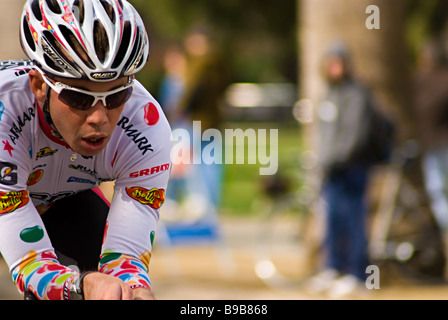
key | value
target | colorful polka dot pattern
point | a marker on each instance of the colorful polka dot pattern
(133, 271)
(42, 275)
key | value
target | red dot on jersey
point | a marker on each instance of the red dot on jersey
(151, 114)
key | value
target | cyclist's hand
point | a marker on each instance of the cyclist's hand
(142, 294)
(98, 286)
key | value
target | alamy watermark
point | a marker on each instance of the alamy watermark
(373, 278)
(373, 20)
(232, 146)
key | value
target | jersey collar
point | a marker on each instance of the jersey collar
(49, 130)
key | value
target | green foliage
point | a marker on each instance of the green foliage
(258, 37)
(242, 183)
(425, 20)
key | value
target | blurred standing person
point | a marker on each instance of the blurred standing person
(171, 93)
(191, 94)
(205, 82)
(173, 85)
(342, 124)
(431, 103)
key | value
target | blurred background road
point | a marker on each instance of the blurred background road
(199, 272)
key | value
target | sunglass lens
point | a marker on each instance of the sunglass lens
(118, 99)
(76, 100)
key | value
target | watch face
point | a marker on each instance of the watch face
(75, 290)
(75, 293)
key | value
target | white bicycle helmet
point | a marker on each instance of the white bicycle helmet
(97, 40)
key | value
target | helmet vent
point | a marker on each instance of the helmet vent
(36, 10)
(135, 51)
(49, 62)
(59, 54)
(78, 11)
(76, 46)
(53, 5)
(125, 41)
(28, 36)
(101, 41)
(109, 10)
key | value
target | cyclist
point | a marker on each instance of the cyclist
(71, 118)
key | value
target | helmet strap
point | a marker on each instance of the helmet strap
(47, 115)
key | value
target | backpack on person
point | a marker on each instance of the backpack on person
(377, 144)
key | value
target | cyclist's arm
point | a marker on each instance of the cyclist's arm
(130, 232)
(24, 243)
(43, 276)
(134, 213)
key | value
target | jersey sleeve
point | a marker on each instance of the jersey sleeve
(24, 243)
(138, 195)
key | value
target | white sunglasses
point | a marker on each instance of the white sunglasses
(83, 100)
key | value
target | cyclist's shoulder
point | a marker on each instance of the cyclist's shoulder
(15, 65)
(142, 133)
(14, 77)
(12, 70)
(144, 114)
(141, 97)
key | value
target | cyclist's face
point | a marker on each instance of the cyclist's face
(87, 132)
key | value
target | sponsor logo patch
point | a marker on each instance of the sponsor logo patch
(11, 201)
(35, 177)
(8, 174)
(103, 75)
(80, 180)
(45, 152)
(153, 198)
(17, 127)
(137, 136)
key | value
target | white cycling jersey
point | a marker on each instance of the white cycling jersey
(37, 168)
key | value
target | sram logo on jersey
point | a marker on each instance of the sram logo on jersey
(11, 201)
(149, 172)
(103, 75)
(153, 198)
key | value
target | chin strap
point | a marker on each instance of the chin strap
(47, 115)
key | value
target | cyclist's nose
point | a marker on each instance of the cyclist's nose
(97, 115)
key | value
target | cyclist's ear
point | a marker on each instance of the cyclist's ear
(38, 86)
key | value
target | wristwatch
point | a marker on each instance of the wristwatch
(76, 289)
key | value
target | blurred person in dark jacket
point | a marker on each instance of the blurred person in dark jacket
(342, 124)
